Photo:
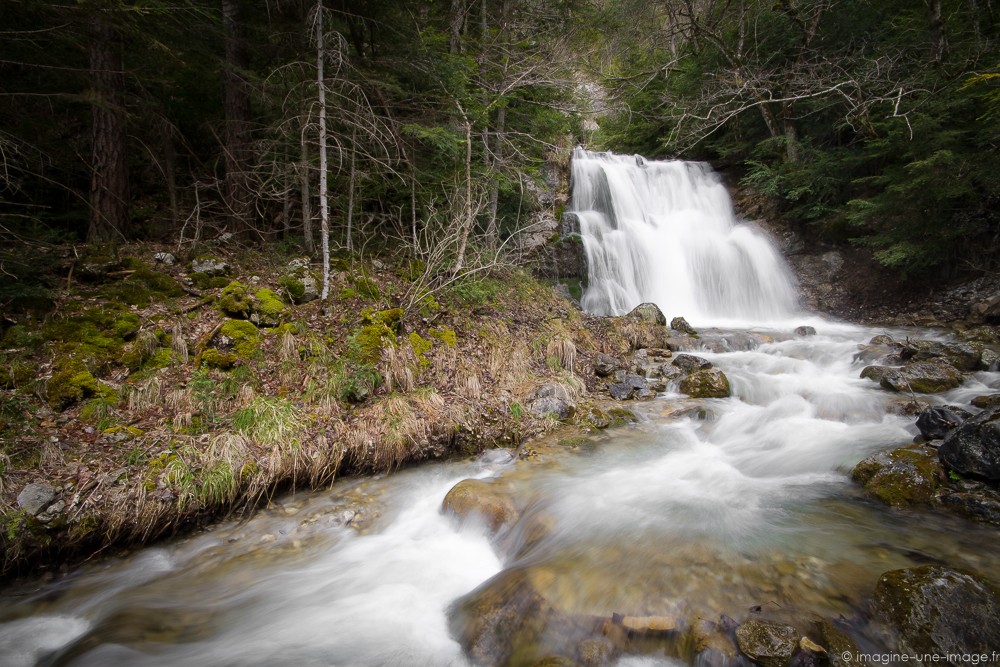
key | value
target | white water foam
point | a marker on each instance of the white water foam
(665, 232)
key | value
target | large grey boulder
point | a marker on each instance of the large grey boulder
(974, 447)
(552, 399)
(36, 498)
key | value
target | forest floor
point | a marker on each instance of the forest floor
(142, 397)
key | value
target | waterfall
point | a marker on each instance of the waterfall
(666, 232)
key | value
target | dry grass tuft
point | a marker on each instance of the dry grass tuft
(287, 349)
(399, 367)
(564, 351)
(178, 343)
(145, 396)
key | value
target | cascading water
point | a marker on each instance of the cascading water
(703, 510)
(666, 232)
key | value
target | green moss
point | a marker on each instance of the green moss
(391, 318)
(369, 341)
(429, 306)
(901, 477)
(420, 347)
(213, 358)
(293, 287)
(412, 270)
(444, 334)
(366, 287)
(123, 432)
(235, 300)
(244, 335)
(204, 281)
(269, 310)
(16, 374)
(19, 336)
(348, 293)
(621, 416)
(72, 382)
(125, 325)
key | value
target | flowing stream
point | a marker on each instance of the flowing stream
(699, 512)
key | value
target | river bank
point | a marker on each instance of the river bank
(151, 394)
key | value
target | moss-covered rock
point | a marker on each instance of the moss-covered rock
(70, 383)
(213, 358)
(421, 347)
(204, 281)
(928, 377)
(268, 309)
(141, 287)
(767, 644)
(391, 318)
(235, 300)
(21, 337)
(16, 374)
(241, 336)
(708, 383)
(900, 477)
(366, 287)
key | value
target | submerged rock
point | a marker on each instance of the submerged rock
(986, 401)
(974, 447)
(805, 331)
(899, 477)
(937, 422)
(709, 383)
(973, 500)
(649, 313)
(939, 610)
(769, 644)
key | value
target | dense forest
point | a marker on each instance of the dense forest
(424, 125)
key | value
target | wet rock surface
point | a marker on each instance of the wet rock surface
(766, 643)
(475, 498)
(938, 610)
(936, 422)
(900, 477)
(973, 448)
(710, 383)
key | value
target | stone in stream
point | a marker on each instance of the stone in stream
(939, 610)
(805, 331)
(937, 422)
(928, 377)
(900, 477)
(974, 500)
(837, 644)
(974, 447)
(986, 401)
(768, 644)
(710, 383)
(631, 386)
(690, 363)
(477, 498)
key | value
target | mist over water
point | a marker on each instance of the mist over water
(665, 231)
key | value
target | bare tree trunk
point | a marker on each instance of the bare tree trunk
(109, 197)
(467, 212)
(324, 210)
(456, 19)
(239, 201)
(306, 194)
(936, 30)
(491, 223)
(350, 192)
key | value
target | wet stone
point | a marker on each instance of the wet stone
(805, 331)
(938, 421)
(770, 644)
(689, 363)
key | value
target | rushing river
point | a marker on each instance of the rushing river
(703, 508)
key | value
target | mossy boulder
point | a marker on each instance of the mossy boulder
(938, 610)
(708, 383)
(649, 313)
(204, 281)
(299, 284)
(242, 337)
(368, 342)
(900, 477)
(141, 287)
(235, 300)
(268, 309)
(16, 374)
(421, 346)
(213, 358)
(70, 383)
(444, 334)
